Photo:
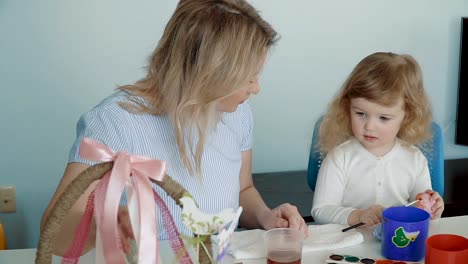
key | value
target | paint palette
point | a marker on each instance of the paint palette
(348, 259)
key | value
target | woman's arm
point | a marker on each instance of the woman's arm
(72, 219)
(253, 205)
(256, 214)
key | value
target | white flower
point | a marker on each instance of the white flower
(201, 223)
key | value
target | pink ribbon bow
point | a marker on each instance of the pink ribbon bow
(141, 169)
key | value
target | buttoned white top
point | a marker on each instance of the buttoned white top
(352, 178)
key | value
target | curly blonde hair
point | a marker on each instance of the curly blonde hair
(382, 78)
(209, 49)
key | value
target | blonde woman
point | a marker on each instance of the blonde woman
(191, 110)
(368, 134)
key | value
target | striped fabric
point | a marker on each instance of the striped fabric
(153, 136)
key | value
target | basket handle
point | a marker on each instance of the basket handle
(71, 194)
(66, 200)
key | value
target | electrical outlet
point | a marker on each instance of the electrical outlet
(8, 199)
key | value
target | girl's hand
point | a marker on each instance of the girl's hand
(371, 216)
(434, 200)
(285, 215)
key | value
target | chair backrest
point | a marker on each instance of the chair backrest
(433, 150)
(315, 157)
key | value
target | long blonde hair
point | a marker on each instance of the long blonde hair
(382, 78)
(209, 49)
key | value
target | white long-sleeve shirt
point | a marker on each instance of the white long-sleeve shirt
(352, 178)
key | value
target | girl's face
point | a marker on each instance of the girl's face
(231, 102)
(376, 126)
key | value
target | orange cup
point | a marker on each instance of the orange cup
(446, 249)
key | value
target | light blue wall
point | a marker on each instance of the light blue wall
(59, 58)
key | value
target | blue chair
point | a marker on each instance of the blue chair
(433, 149)
(315, 157)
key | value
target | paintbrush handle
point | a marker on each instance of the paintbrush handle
(413, 202)
(362, 223)
(353, 226)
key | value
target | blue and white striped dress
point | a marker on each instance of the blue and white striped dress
(153, 136)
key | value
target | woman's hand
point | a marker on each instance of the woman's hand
(285, 215)
(433, 198)
(371, 216)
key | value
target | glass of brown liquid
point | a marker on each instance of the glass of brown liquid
(283, 246)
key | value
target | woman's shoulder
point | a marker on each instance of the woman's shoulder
(116, 105)
(112, 114)
(113, 102)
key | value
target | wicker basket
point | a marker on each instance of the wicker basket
(76, 189)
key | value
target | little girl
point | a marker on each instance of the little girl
(368, 135)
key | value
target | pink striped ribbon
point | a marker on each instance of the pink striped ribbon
(141, 169)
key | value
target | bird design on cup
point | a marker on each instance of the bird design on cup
(402, 238)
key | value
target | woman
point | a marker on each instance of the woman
(191, 111)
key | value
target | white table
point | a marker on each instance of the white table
(370, 248)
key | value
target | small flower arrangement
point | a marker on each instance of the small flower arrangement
(205, 225)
